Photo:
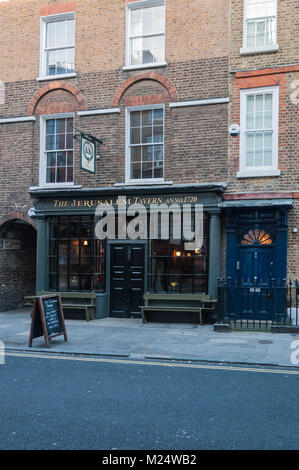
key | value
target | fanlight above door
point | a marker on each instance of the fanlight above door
(257, 237)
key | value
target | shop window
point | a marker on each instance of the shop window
(173, 269)
(76, 258)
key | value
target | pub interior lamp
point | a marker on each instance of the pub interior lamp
(85, 242)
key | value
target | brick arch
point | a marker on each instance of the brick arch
(11, 216)
(145, 76)
(56, 85)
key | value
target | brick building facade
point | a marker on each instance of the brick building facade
(152, 79)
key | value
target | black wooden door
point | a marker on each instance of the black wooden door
(126, 279)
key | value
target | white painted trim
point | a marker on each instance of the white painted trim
(43, 22)
(55, 186)
(145, 182)
(145, 66)
(42, 162)
(129, 109)
(93, 112)
(181, 104)
(17, 119)
(134, 6)
(56, 77)
(259, 50)
(259, 171)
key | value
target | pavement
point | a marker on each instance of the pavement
(130, 338)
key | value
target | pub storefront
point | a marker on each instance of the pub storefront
(71, 257)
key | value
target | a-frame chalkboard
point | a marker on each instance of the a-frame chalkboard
(47, 318)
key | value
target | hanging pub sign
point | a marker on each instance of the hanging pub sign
(87, 154)
(47, 319)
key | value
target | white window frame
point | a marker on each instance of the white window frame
(136, 6)
(256, 50)
(43, 35)
(261, 170)
(128, 178)
(42, 160)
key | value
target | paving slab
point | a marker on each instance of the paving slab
(171, 341)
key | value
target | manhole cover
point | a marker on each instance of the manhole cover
(265, 341)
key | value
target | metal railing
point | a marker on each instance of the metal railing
(258, 303)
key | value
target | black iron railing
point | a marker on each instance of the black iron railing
(258, 303)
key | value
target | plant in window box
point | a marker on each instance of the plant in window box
(75, 282)
(174, 287)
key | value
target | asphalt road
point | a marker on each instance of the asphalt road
(73, 404)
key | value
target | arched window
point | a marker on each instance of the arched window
(257, 237)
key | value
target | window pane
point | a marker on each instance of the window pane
(158, 117)
(60, 141)
(148, 46)
(50, 175)
(268, 140)
(51, 159)
(268, 158)
(159, 23)
(61, 59)
(147, 170)
(136, 22)
(158, 171)
(136, 154)
(135, 135)
(51, 63)
(250, 158)
(60, 33)
(70, 159)
(50, 139)
(148, 20)
(147, 135)
(70, 32)
(147, 118)
(136, 51)
(70, 62)
(135, 119)
(50, 42)
(259, 158)
(259, 141)
(261, 8)
(61, 175)
(147, 153)
(136, 171)
(60, 126)
(69, 141)
(61, 158)
(70, 174)
(268, 120)
(158, 134)
(158, 153)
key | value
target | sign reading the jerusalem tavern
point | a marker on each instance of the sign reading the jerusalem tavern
(144, 200)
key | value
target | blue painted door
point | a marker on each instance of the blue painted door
(256, 256)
